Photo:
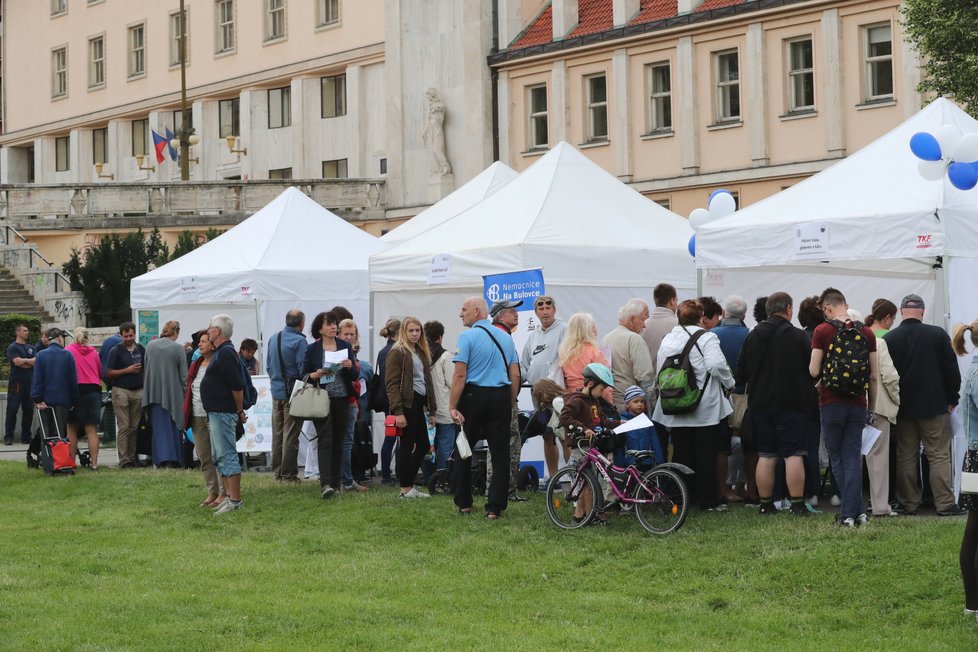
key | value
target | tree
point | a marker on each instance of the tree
(185, 244)
(943, 33)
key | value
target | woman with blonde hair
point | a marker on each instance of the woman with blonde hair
(86, 413)
(969, 415)
(409, 391)
(579, 349)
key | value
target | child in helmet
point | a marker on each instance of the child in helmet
(587, 410)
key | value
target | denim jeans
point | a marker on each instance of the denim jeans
(445, 434)
(842, 430)
(346, 471)
(223, 444)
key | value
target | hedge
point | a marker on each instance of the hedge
(7, 324)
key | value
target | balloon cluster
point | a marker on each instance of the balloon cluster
(721, 203)
(947, 152)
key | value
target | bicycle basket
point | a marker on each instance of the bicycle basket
(608, 442)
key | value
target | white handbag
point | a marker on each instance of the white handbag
(309, 401)
(462, 443)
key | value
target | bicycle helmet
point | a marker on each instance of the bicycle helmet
(599, 373)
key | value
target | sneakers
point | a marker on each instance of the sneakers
(953, 510)
(228, 506)
(813, 501)
(846, 522)
(516, 498)
(803, 509)
(862, 519)
(328, 492)
(719, 507)
(355, 487)
(835, 501)
(768, 509)
(414, 493)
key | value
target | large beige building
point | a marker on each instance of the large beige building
(674, 97)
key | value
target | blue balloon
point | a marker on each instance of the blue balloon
(714, 194)
(692, 246)
(190, 435)
(924, 146)
(962, 176)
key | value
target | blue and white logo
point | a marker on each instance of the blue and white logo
(525, 285)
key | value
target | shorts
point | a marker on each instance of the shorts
(87, 410)
(780, 434)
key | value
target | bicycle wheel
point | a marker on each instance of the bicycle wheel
(440, 482)
(665, 501)
(563, 493)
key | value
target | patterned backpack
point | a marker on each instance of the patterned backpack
(845, 369)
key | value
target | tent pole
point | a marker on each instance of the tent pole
(699, 281)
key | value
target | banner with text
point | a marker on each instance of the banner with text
(525, 285)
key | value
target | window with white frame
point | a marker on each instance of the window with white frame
(335, 169)
(333, 90)
(537, 128)
(660, 97)
(178, 25)
(225, 25)
(228, 118)
(801, 76)
(727, 72)
(59, 7)
(596, 89)
(59, 72)
(279, 107)
(61, 159)
(280, 173)
(274, 19)
(327, 12)
(879, 62)
(140, 137)
(137, 50)
(96, 62)
(100, 145)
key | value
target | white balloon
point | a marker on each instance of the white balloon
(932, 170)
(966, 151)
(948, 137)
(722, 204)
(698, 218)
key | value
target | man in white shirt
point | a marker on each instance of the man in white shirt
(539, 359)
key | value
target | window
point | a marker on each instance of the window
(383, 166)
(140, 137)
(61, 154)
(137, 51)
(537, 128)
(96, 62)
(178, 120)
(274, 19)
(334, 169)
(801, 76)
(281, 173)
(660, 98)
(727, 86)
(879, 62)
(59, 72)
(228, 119)
(596, 88)
(333, 96)
(225, 25)
(279, 107)
(178, 24)
(59, 7)
(100, 145)
(327, 12)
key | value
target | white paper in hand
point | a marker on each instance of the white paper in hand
(870, 435)
(641, 421)
(335, 357)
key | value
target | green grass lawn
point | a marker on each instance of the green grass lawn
(126, 560)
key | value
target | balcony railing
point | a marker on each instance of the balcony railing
(222, 201)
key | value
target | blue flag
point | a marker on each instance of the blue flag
(174, 153)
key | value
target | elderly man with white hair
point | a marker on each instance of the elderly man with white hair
(631, 362)
(222, 393)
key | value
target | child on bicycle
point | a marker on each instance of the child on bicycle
(641, 439)
(584, 411)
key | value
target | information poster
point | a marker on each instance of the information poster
(149, 325)
(258, 429)
(440, 269)
(811, 241)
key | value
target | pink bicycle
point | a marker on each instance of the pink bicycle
(659, 496)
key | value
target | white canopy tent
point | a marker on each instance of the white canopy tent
(487, 182)
(883, 231)
(293, 253)
(598, 242)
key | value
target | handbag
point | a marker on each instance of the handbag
(309, 401)
(390, 426)
(736, 419)
(462, 443)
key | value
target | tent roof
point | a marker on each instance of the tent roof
(291, 248)
(484, 184)
(874, 204)
(565, 214)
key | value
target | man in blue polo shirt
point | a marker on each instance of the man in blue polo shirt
(485, 385)
(285, 354)
(20, 354)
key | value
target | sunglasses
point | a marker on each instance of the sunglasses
(544, 303)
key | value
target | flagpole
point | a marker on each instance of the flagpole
(186, 131)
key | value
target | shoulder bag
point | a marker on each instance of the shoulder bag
(309, 401)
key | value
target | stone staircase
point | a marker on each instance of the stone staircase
(14, 298)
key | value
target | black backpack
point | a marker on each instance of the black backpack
(845, 370)
(249, 395)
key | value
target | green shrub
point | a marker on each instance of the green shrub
(7, 324)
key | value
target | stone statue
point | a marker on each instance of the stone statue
(434, 134)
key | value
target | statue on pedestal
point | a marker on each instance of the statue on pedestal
(434, 134)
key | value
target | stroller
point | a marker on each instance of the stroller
(54, 456)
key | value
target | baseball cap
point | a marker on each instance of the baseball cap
(499, 306)
(913, 302)
(55, 333)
